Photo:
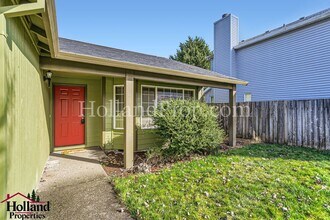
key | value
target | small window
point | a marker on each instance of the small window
(247, 97)
(119, 107)
(212, 99)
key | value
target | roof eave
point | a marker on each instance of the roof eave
(140, 67)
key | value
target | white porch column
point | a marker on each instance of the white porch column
(232, 117)
(129, 122)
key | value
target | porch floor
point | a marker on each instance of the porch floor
(77, 187)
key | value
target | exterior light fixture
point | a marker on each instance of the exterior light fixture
(48, 77)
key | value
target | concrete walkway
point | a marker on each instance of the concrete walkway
(77, 187)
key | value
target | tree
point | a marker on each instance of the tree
(38, 199)
(33, 196)
(195, 52)
(28, 196)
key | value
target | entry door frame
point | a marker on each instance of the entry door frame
(53, 117)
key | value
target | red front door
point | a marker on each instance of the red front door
(69, 115)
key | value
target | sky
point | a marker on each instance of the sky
(157, 27)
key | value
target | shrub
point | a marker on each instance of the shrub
(187, 127)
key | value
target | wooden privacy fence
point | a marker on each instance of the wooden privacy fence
(299, 123)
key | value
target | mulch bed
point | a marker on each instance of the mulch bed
(113, 162)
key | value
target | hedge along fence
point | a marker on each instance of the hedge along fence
(298, 123)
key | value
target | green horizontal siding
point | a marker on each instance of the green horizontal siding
(118, 139)
(117, 136)
(147, 139)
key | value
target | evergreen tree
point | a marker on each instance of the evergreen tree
(38, 199)
(33, 196)
(28, 195)
(195, 52)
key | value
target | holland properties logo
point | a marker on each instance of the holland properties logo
(29, 206)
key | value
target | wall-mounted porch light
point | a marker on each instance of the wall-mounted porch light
(48, 77)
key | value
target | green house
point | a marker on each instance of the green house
(61, 94)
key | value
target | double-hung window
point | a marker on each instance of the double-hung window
(119, 107)
(148, 106)
(153, 95)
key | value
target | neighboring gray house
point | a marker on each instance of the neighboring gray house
(291, 62)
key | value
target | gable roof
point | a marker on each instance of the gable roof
(93, 50)
(302, 22)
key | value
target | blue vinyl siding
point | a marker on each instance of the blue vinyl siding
(295, 65)
(222, 45)
(225, 39)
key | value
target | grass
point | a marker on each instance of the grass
(254, 182)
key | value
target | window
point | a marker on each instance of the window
(148, 105)
(152, 95)
(119, 107)
(166, 93)
(247, 97)
(189, 94)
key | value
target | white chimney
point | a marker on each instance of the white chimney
(226, 37)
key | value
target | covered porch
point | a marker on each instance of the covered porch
(106, 88)
(113, 81)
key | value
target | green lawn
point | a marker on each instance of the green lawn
(257, 181)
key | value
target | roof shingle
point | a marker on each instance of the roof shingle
(82, 48)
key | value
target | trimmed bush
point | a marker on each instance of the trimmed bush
(187, 127)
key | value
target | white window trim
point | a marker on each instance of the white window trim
(114, 106)
(156, 95)
(155, 104)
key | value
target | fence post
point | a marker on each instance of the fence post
(232, 116)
